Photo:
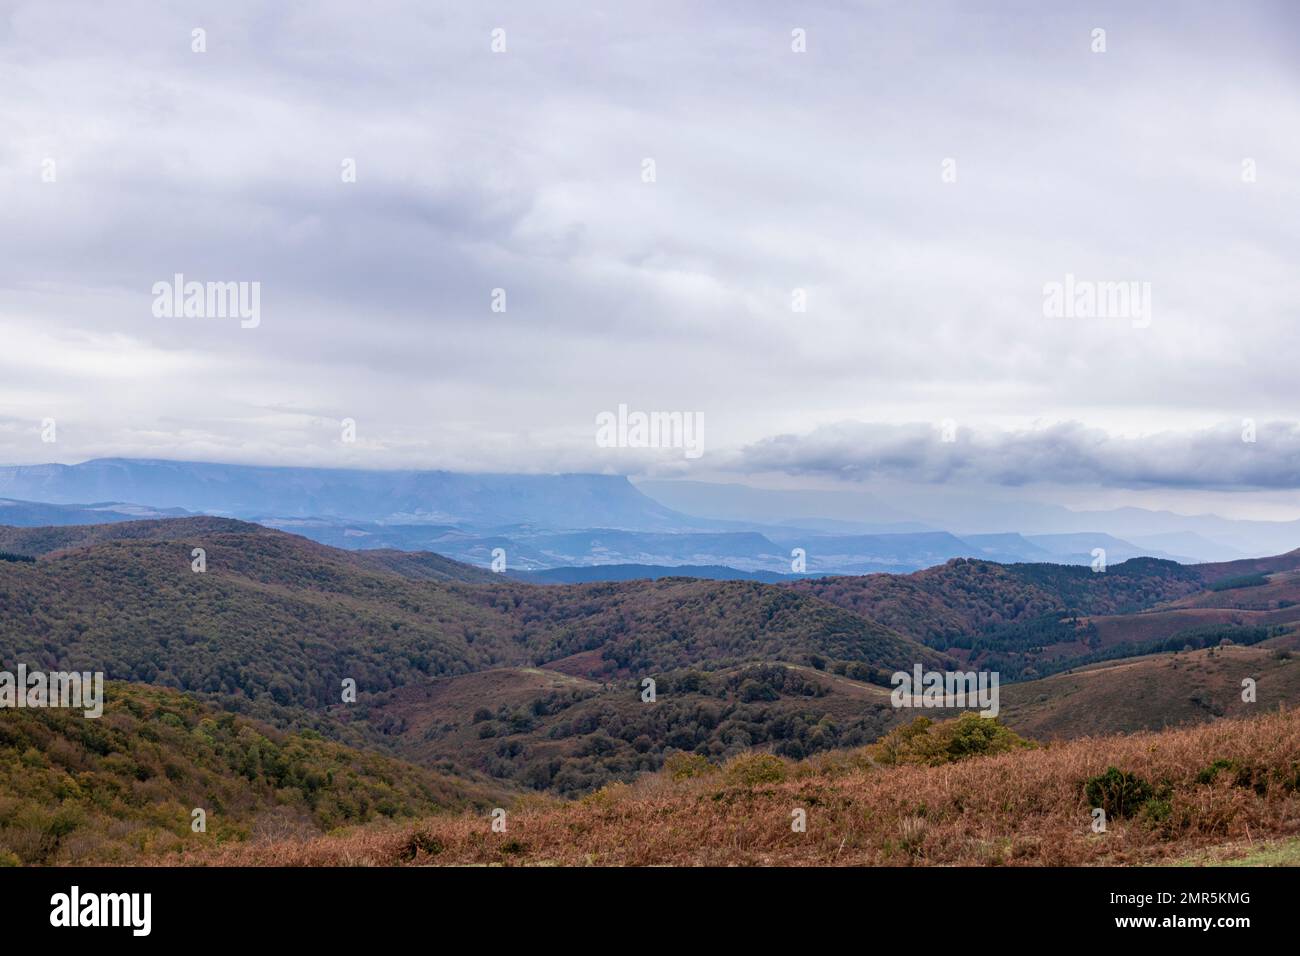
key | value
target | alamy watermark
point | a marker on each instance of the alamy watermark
(75, 908)
(69, 690)
(208, 300)
(946, 690)
(1087, 299)
(631, 429)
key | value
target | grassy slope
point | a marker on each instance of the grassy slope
(1150, 693)
(1017, 808)
(1246, 853)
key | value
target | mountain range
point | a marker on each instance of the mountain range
(733, 553)
(411, 497)
(555, 522)
(473, 686)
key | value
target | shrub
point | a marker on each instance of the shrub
(1120, 794)
(1157, 810)
(682, 765)
(1209, 773)
(974, 736)
(606, 795)
(420, 842)
(65, 819)
(749, 770)
(1243, 775)
(925, 742)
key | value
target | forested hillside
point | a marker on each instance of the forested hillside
(125, 785)
(544, 687)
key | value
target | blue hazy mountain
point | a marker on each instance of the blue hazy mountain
(741, 554)
(973, 514)
(440, 497)
(825, 552)
(1077, 548)
(586, 521)
(36, 514)
(1008, 547)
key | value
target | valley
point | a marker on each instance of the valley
(513, 689)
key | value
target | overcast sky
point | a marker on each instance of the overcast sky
(775, 171)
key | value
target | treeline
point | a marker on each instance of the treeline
(1031, 636)
(1243, 581)
(1191, 639)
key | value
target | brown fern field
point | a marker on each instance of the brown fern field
(1171, 794)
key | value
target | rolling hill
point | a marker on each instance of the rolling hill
(548, 730)
(1153, 692)
(1027, 620)
(123, 788)
(961, 597)
(541, 686)
(276, 623)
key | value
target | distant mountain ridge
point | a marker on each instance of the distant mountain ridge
(718, 554)
(1203, 537)
(34, 513)
(552, 522)
(248, 491)
(579, 555)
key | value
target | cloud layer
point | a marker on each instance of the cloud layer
(1259, 456)
(776, 171)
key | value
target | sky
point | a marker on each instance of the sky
(653, 191)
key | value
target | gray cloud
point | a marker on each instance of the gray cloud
(776, 171)
(1064, 454)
